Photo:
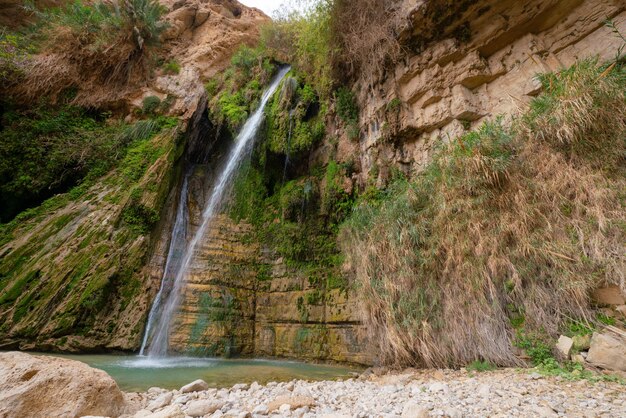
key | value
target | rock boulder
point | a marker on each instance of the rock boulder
(195, 386)
(294, 402)
(202, 407)
(608, 352)
(564, 346)
(42, 386)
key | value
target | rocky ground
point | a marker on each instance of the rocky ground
(44, 386)
(503, 393)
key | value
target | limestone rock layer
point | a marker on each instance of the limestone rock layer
(478, 63)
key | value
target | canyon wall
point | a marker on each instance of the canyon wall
(73, 273)
(472, 61)
(465, 63)
(469, 62)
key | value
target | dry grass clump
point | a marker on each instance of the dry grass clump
(507, 231)
(365, 33)
(332, 41)
(580, 116)
(95, 49)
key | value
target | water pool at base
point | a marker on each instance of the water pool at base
(134, 373)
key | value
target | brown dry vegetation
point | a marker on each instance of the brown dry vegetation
(365, 32)
(334, 41)
(505, 233)
(95, 51)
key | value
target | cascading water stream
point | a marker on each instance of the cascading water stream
(174, 258)
(158, 347)
(288, 147)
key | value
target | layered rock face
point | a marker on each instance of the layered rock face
(201, 37)
(241, 300)
(300, 318)
(72, 276)
(470, 61)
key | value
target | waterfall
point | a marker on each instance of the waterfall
(174, 257)
(166, 304)
(288, 147)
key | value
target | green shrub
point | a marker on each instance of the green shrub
(172, 67)
(347, 109)
(93, 44)
(576, 114)
(537, 347)
(150, 105)
(335, 202)
(13, 53)
(290, 128)
(235, 93)
(233, 109)
(139, 20)
(606, 320)
(394, 105)
(332, 41)
(211, 87)
(49, 150)
(307, 95)
(480, 366)
(244, 59)
(305, 39)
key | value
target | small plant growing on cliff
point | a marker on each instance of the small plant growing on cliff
(245, 59)
(347, 109)
(150, 105)
(211, 87)
(171, 67)
(12, 56)
(394, 105)
(620, 50)
(233, 109)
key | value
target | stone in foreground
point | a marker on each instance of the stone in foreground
(564, 346)
(42, 386)
(172, 411)
(195, 386)
(201, 408)
(582, 342)
(294, 402)
(413, 409)
(608, 352)
(161, 401)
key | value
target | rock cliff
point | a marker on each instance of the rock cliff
(468, 62)
(471, 61)
(242, 300)
(465, 62)
(72, 274)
